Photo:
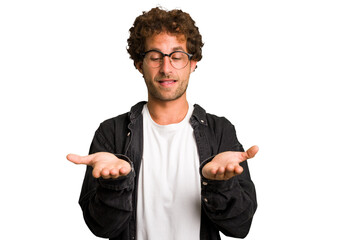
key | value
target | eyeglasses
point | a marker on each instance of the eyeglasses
(155, 58)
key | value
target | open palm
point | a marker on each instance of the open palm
(226, 165)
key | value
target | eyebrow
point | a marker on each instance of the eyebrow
(179, 48)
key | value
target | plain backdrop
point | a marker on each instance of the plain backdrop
(285, 73)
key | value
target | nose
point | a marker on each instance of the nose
(166, 66)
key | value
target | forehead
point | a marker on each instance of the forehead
(166, 42)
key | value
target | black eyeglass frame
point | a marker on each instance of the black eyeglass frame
(168, 55)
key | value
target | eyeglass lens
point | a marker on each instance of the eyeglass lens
(178, 60)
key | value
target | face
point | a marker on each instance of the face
(166, 83)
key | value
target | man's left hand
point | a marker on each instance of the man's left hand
(227, 164)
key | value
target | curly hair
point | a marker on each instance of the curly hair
(157, 21)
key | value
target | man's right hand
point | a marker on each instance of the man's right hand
(105, 165)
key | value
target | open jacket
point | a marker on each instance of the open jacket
(109, 205)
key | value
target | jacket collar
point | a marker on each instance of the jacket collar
(136, 110)
(199, 113)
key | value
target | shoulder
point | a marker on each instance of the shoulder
(110, 130)
(220, 131)
(123, 120)
(209, 119)
(114, 121)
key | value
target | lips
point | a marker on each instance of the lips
(167, 82)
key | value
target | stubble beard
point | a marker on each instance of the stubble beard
(162, 94)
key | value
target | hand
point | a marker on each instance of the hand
(227, 164)
(105, 165)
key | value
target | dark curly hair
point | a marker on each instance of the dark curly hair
(157, 21)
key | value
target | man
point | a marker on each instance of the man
(167, 169)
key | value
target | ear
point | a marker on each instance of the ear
(139, 66)
(193, 65)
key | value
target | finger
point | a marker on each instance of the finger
(124, 171)
(96, 172)
(229, 172)
(105, 173)
(229, 169)
(115, 173)
(213, 171)
(251, 152)
(77, 159)
(238, 170)
(209, 171)
(220, 173)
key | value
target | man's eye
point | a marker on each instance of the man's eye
(155, 59)
(178, 56)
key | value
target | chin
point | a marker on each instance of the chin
(163, 98)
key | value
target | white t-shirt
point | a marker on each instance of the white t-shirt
(169, 202)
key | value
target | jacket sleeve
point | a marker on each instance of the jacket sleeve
(106, 203)
(230, 204)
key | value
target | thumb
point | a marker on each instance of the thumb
(251, 152)
(77, 159)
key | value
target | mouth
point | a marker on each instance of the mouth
(167, 82)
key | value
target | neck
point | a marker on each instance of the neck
(168, 112)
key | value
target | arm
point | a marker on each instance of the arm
(228, 194)
(107, 188)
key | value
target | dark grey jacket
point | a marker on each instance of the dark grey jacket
(109, 206)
